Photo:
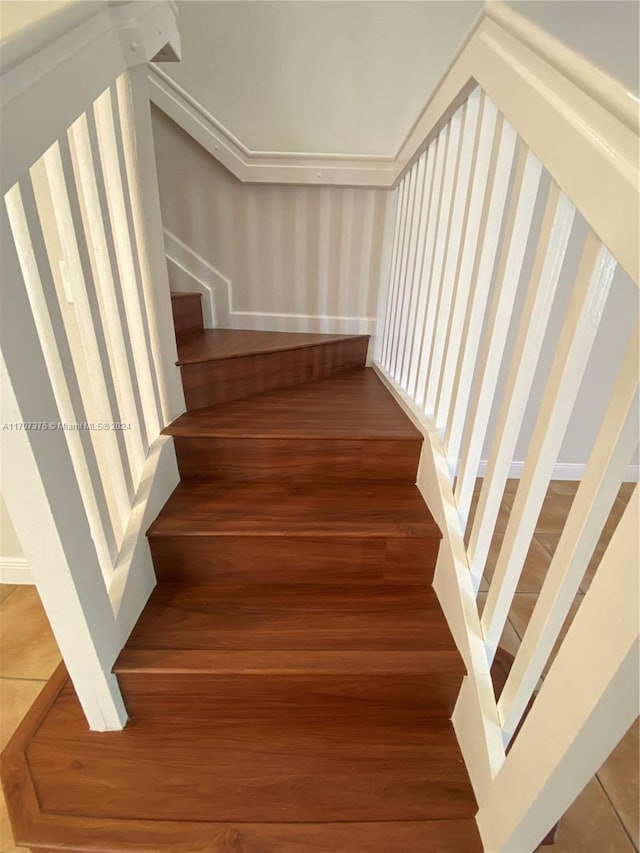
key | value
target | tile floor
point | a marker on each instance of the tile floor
(604, 818)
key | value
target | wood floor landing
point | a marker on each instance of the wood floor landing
(354, 405)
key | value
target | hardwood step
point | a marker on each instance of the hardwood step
(187, 315)
(218, 365)
(214, 759)
(295, 532)
(292, 640)
(343, 428)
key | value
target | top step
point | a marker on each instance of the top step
(219, 365)
(187, 314)
(219, 344)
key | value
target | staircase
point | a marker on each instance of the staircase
(291, 679)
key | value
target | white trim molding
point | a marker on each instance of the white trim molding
(190, 272)
(15, 570)
(562, 471)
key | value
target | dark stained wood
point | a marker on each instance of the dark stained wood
(223, 344)
(353, 405)
(209, 762)
(289, 459)
(187, 315)
(213, 381)
(294, 617)
(300, 559)
(346, 427)
(296, 509)
(287, 532)
(290, 681)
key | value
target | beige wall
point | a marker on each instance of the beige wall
(306, 251)
(330, 78)
(10, 547)
(15, 15)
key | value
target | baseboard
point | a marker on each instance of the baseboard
(190, 272)
(562, 471)
(15, 570)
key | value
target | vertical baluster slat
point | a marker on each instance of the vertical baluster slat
(464, 273)
(452, 252)
(615, 444)
(410, 287)
(425, 183)
(442, 234)
(402, 275)
(36, 272)
(552, 245)
(395, 260)
(126, 250)
(590, 293)
(481, 282)
(427, 264)
(91, 187)
(517, 229)
(63, 188)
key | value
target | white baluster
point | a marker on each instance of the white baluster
(435, 194)
(587, 702)
(517, 229)
(452, 250)
(481, 281)
(552, 245)
(464, 274)
(617, 440)
(425, 185)
(590, 293)
(36, 273)
(90, 181)
(435, 279)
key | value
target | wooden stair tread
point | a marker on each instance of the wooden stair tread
(294, 617)
(372, 509)
(217, 344)
(215, 761)
(354, 405)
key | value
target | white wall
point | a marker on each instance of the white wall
(312, 252)
(605, 31)
(341, 78)
(15, 15)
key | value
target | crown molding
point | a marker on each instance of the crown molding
(499, 36)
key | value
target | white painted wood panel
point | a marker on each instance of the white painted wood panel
(440, 247)
(574, 347)
(93, 202)
(615, 444)
(587, 702)
(481, 283)
(464, 273)
(439, 149)
(460, 193)
(35, 272)
(425, 181)
(516, 234)
(552, 245)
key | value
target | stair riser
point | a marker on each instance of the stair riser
(187, 315)
(266, 697)
(234, 459)
(211, 382)
(281, 559)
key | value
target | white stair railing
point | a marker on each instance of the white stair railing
(86, 385)
(511, 184)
